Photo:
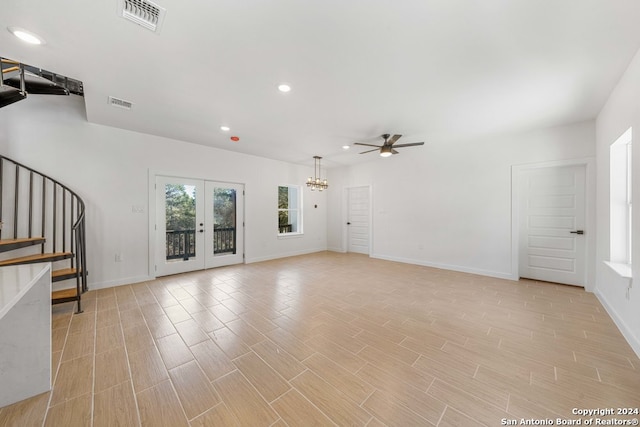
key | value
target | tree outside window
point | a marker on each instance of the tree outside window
(289, 209)
(180, 207)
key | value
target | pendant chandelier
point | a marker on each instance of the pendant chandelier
(314, 182)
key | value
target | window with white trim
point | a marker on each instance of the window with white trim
(289, 209)
(620, 173)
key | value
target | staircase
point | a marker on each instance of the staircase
(17, 80)
(42, 220)
(10, 94)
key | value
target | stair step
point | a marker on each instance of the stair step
(10, 95)
(63, 274)
(32, 259)
(64, 295)
(11, 244)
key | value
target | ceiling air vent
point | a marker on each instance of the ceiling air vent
(120, 103)
(144, 13)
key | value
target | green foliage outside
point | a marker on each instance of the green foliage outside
(180, 207)
(283, 203)
(224, 207)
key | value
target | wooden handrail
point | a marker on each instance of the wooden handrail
(10, 69)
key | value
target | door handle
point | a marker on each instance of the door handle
(201, 231)
(577, 232)
(348, 223)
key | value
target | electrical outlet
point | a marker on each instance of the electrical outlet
(118, 257)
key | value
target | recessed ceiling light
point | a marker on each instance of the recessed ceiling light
(26, 36)
(345, 147)
(283, 87)
(225, 128)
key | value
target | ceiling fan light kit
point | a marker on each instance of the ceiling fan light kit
(387, 149)
(315, 182)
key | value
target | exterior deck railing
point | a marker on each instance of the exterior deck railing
(224, 240)
(181, 244)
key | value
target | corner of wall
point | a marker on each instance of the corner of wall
(627, 332)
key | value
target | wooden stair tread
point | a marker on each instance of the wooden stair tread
(64, 293)
(13, 244)
(21, 240)
(36, 258)
(63, 272)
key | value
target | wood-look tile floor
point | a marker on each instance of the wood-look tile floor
(331, 339)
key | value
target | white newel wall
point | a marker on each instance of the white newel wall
(25, 332)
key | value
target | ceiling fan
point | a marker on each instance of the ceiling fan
(388, 148)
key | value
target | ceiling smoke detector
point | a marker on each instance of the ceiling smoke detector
(144, 13)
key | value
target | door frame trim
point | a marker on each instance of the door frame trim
(151, 219)
(590, 209)
(345, 217)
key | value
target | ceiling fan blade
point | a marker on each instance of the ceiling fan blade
(368, 145)
(408, 145)
(368, 151)
(394, 151)
(392, 140)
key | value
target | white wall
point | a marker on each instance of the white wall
(448, 204)
(621, 111)
(109, 169)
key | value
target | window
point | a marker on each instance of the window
(289, 209)
(620, 199)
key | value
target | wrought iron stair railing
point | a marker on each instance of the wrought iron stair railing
(42, 220)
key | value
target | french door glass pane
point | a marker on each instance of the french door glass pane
(180, 210)
(224, 221)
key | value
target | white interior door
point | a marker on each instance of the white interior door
(358, 222)
(199, 224)
(552, 224)
(179, 225)
(224, 231)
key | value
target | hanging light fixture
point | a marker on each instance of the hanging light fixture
(315, 181)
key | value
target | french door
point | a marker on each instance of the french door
(199, 224)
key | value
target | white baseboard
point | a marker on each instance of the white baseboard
(339, 250)
(119, 282)
(284, 255)
(480, 272)
(627, 333)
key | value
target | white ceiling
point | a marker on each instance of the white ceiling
(431, 70)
